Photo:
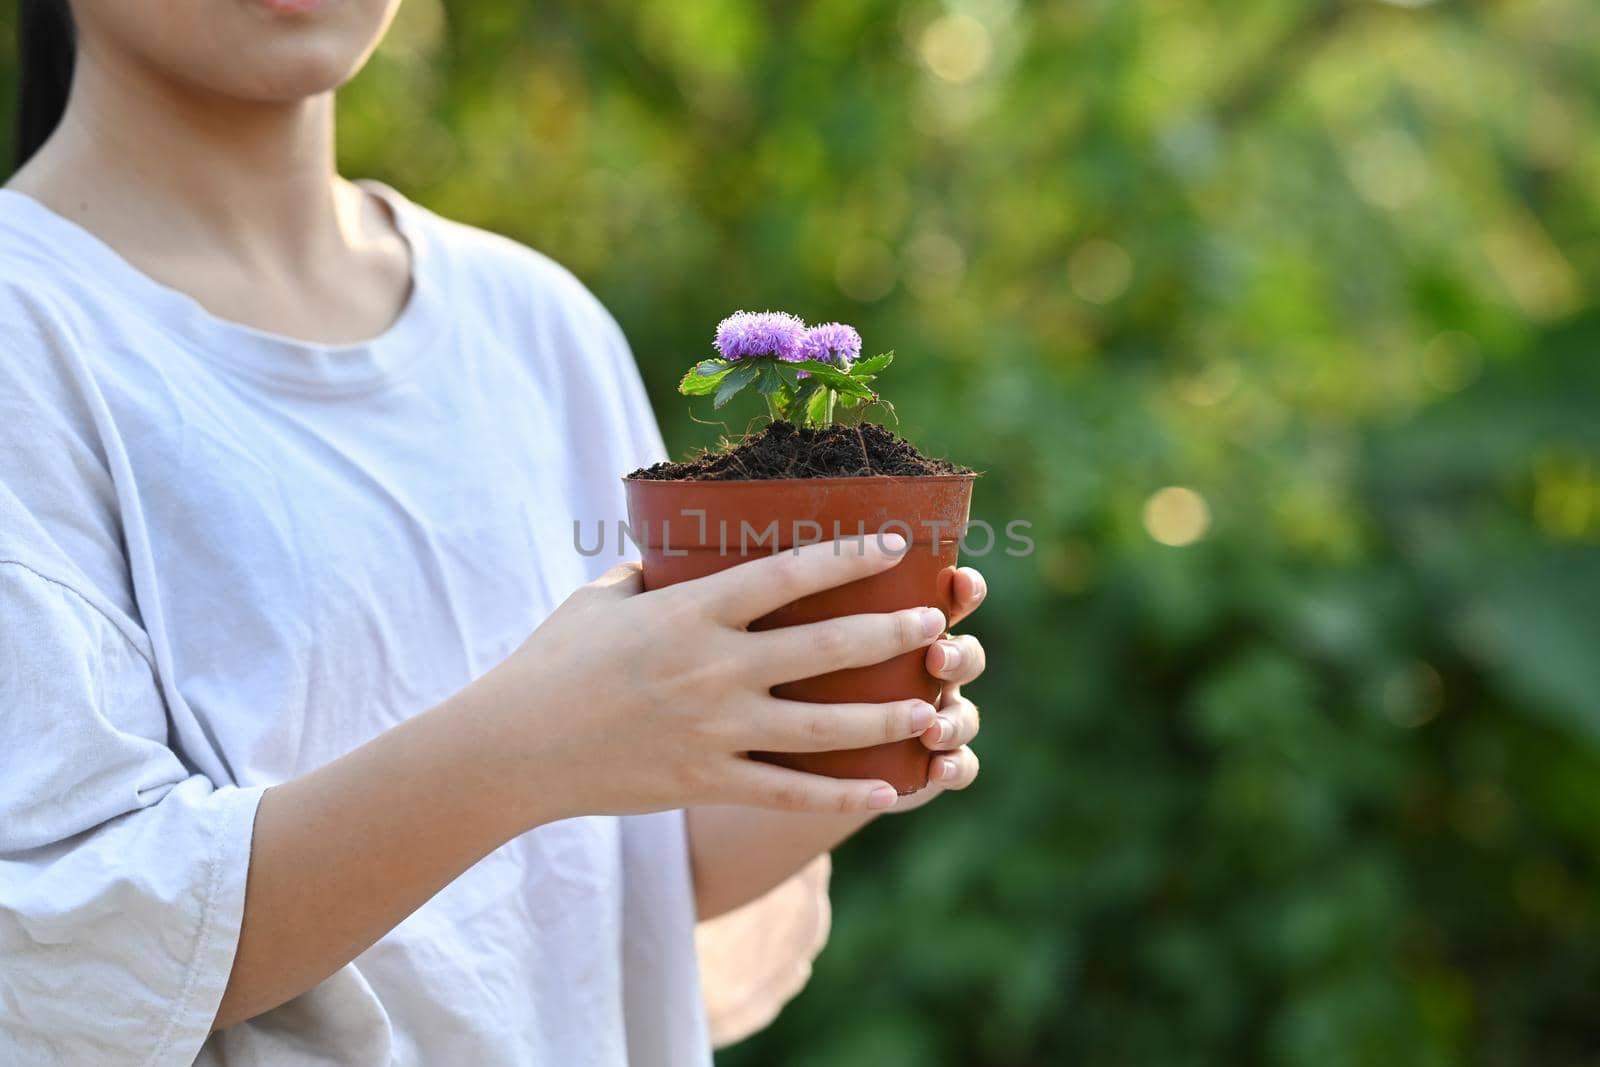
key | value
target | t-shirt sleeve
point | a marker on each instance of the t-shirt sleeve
(618, 432)
(601, 419)
(637, 434)
(122, 870)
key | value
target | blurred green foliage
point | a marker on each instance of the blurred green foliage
(1319, 787)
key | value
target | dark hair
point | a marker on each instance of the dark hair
(46, 49)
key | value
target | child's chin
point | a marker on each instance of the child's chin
(297, 71)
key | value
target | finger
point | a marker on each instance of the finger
(955, 725)
(748, 591)
(793, 652)
(967, 591)
(954, 770)
(795, 726)
(765, 785)
(957, 659)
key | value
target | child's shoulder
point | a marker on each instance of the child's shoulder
(492, 265)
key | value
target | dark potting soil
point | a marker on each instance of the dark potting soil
(784, 450)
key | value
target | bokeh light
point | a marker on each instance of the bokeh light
(1099, 271)
(933, 265)
(1176, 516)
(865, 270)
(956, 48)
(1413, 695)
(1451, 361)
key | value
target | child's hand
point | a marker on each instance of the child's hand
(627, 701)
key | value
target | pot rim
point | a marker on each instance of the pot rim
(857, 479)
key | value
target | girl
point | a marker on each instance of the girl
(315, 747)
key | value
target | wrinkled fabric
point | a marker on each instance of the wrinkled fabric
(228, 557)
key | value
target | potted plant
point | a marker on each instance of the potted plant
(818, 471)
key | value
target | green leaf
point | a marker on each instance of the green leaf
(699, 385)
(875, 365)
(816, 406)
(780, 399)
(770, 381)
(703, 378)
(835, 379)
(781, 404)
(735, 380)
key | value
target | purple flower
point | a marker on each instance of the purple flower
(833, 342)
(753, 335)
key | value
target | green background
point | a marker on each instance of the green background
(1321, 787)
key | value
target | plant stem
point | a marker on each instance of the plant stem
(827, 412)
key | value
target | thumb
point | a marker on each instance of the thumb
(623, 580)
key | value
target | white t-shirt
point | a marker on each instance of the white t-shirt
(228, 557)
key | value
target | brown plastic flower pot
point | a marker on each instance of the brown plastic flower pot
(689, 529)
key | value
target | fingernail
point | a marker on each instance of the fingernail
(947, 769)
(892, 543)
(947, 730)
(882, 797)
(949, 656)
(922, 717)
(932, 620)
